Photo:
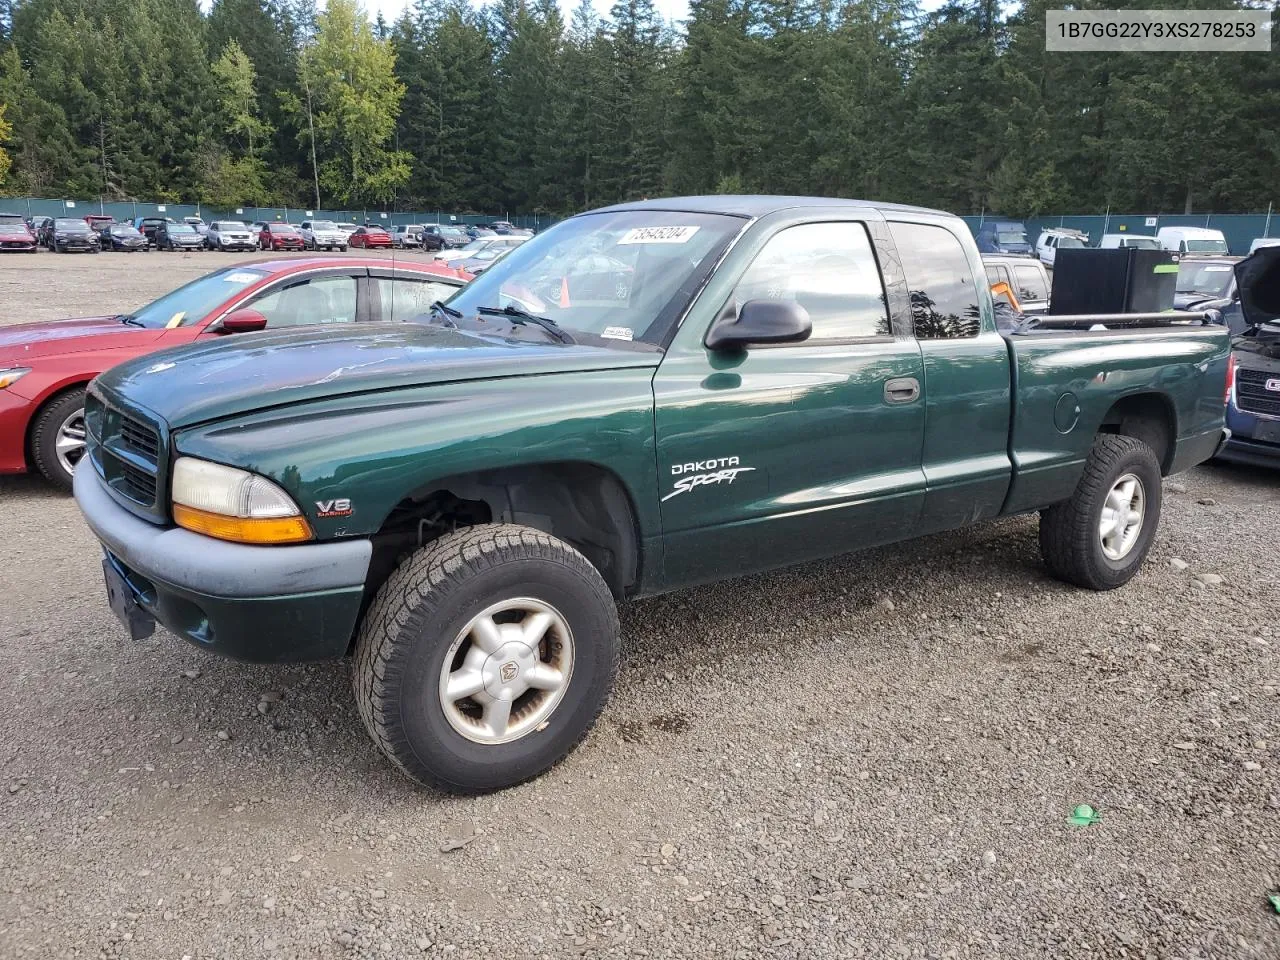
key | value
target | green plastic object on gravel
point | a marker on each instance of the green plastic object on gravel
(1084, 816)
(1275, 901)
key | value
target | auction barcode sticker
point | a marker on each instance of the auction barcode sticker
(1157, 31)
(658, 235)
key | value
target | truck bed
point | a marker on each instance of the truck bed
(1145, 357)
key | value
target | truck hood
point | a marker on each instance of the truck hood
(237, 374)
(21, 342)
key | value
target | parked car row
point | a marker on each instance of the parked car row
(95, 232)
(1009, 237)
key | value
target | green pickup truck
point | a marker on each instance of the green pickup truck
(642, 398)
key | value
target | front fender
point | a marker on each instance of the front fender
(372, 450)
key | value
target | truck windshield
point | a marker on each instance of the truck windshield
(1206, 246)
(1070, 243)
(1211, 279)
(1140, 243)
(1011, 236)
(616, 276)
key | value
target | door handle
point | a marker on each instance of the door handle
(901, 390)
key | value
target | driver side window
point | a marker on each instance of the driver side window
(321, 300)
(827, 268)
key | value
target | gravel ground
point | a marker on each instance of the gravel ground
(870, 757)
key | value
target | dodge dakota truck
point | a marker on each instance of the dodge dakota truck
(642, 398)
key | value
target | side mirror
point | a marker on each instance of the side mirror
(243, 321)
(761, 321)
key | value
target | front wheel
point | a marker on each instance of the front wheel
(58, 438)
(1099, 537)
(486, 657)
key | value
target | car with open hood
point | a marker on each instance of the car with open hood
(1253, 394)
(45, 366)
(640, 399)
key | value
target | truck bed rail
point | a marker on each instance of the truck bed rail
(1116, 321)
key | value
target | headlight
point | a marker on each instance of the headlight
(11, 375)
(234, 505)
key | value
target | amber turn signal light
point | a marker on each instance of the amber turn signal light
(260, 530)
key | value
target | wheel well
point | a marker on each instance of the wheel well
(1148, 417)
(35, 415)
(581, 503)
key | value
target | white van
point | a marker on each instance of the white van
(1264, 242)
(1192, 240)
(1112, 241)
(1058, 238)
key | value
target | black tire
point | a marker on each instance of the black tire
(1070, 538)
(343, 248)
(44, 435)
(426, 604)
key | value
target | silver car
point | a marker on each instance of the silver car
(406, 235)
(323, 235)
(229, 235)
(459, 254)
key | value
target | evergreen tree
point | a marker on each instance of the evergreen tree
(355, 98)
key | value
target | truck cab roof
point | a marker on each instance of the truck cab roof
(756, 206)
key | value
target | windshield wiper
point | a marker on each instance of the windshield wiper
(523, 316)
(126, 318)
(438, 308)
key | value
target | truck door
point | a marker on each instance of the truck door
(967, 384)
(778, 454)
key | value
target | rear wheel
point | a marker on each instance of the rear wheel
(486, 657)
(1099, 537)
(58, 438)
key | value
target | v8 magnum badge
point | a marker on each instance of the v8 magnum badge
(334, 508)
(704, 473)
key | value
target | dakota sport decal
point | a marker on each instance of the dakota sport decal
(703, 473)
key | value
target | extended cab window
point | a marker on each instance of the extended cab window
(403, 299)
(321, 300)
(827, 268)
(944, 296)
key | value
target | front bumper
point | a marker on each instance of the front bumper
(14, 411)
(257, 604)
(1250, 452)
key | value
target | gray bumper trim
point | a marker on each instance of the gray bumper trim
(212, 567)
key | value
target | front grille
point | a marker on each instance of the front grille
(1252, 395)
(136, 485)
(140, 438)
(126, 451)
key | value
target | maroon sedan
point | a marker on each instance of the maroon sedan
(370, 238)
(44, 367)
(16, 238)
(279, 236)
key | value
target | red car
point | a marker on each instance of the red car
(16, 237)
(370, 237)
(44, 367)
(279, 236)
